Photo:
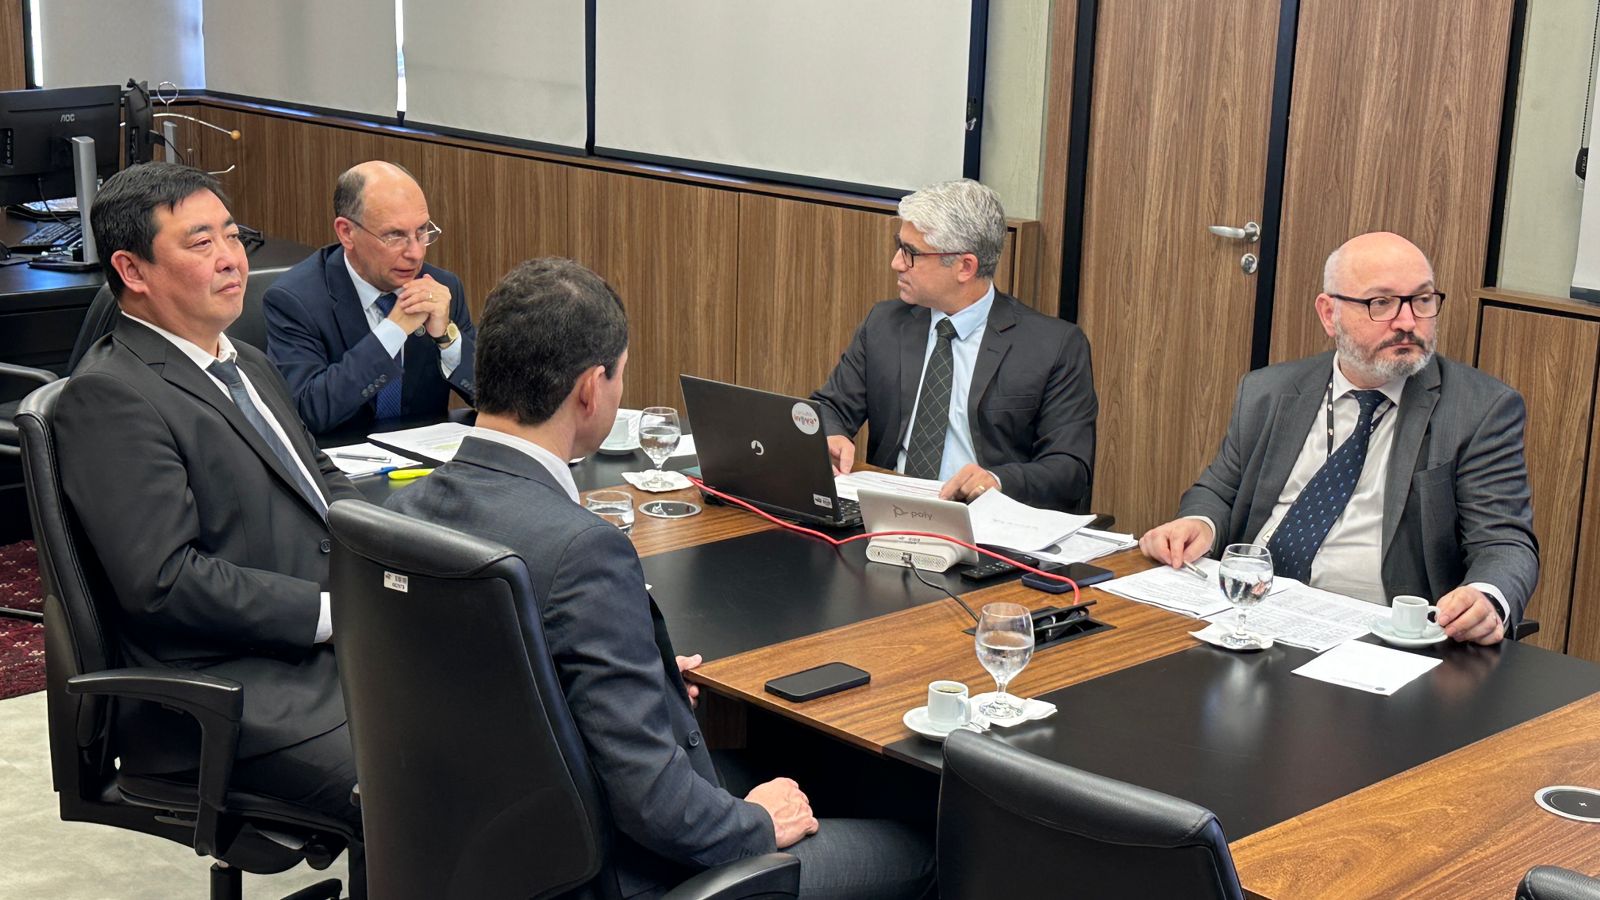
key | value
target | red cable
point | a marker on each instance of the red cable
(838, 542)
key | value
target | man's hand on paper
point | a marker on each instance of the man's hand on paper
(842, 453)
(1177, 542)
(968, 484)
(1468, 615)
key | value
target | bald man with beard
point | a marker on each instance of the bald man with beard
(1378, 468)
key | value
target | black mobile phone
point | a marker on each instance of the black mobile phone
(818, 681)
(1083, 573)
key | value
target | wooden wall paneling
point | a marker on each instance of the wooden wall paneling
(807, 276)
(1394, 125)
(1583, 628)
(1182, 94)
(671, 251)
(1057, 138)
(1551, 360)
(13, 41)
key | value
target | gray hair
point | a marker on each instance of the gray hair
(959, 217)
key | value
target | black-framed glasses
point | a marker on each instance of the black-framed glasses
(911, 253)
(1425, 305)
(394, 240)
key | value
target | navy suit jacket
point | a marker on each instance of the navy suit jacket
(615, 661)
(1031, 407)
(216, 557)
(318, 336)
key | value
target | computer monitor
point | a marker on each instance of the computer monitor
(139, 128)
(36, 131)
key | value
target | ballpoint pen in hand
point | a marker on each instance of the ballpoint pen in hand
(1194, 570)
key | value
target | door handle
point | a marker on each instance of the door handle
(1250, 232)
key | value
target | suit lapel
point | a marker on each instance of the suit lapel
(347, 311)
(1417, 401)
(992, 352)
(1300, 405)
(181, 372)
(913, 350)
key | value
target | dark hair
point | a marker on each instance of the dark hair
(124, 214)
(546, 323)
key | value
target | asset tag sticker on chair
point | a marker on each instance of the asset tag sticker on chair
(396, 582)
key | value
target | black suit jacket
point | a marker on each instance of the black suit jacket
(217, 560)
(318, 335)
(1031, 406)
(615, 661)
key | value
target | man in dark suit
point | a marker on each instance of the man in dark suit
(364, 330)
(1000, 397)
(552, 352)
(1377, 469)
(205, 498)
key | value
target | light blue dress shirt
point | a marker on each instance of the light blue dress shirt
(970, 324)
(389, 334)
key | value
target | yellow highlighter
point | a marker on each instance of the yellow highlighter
(408, 474)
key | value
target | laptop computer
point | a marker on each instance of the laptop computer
(885, 511)
(767, 449)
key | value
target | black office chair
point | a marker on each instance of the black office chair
(1556, 883)
(1070, 832)
(15, 383)
(474, 779)
(244, 832)
(250, 327)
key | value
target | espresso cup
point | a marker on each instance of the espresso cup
(621, 430)
(1409, 616)
(947, 704)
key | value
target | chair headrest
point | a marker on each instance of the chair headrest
(410, 544)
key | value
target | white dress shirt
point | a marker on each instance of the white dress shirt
(970, 324)
(1350, 560)
(389, 334)
(560, 470)
(226, 353)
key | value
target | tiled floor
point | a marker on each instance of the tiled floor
(48, 858)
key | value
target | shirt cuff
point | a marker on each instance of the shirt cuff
(1498, 598)
(450, 357)
(324, 621)
(391, 336)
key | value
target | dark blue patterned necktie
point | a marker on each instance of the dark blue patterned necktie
(228, 373)
(925, 450)
(389, 404)
(1305, 526)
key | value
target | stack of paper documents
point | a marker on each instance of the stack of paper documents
(888, 482)
(997, 520)
(1086, 544)
(435, 443)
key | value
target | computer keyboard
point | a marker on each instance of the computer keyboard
(49, 237)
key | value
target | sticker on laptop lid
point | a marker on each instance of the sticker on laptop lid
(805, 418)
(824, 502)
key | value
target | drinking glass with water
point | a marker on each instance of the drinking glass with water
(659, 433)
(1005, 644)
(1245, 576)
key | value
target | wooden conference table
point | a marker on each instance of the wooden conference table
(1323, 790)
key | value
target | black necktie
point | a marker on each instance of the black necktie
(389, 398)
(228, 373)
(1305, 526)
(925, 451)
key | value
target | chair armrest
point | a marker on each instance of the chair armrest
(769, 875)
(1555, 883)
(13, 376)
(216, 703)
(1527, 628)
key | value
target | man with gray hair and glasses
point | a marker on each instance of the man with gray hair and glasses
(958, 382)
(1378, 468)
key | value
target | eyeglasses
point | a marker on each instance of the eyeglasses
(911, 253)
(1425, 305)
(394, 240)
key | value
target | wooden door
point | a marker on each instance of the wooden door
(1394, 125)
(1178, 141)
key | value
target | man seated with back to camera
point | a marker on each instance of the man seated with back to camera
(552, 349)
(957, 381)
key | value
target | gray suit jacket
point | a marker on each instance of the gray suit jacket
(614, 659)
(1031, 407)
(1455, 502)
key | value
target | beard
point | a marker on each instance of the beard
(1376, 367)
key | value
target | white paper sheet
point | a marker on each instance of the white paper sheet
(434, 442)
(1178, 590)
(1368, 667)
(1001, 521)
(849, 485)
(348, 461)
(685, 447)
(1086, 544)
(1309, 617)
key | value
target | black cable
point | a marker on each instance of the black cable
(912, 565)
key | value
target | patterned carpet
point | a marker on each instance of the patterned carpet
(21, 642)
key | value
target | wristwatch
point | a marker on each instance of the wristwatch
(451, 333)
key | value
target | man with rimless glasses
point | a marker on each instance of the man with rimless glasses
(364, 329)
(1379, 468)
(958, 382)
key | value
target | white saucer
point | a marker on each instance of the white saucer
(917, 720)
(619, 449)
(1433, 634)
